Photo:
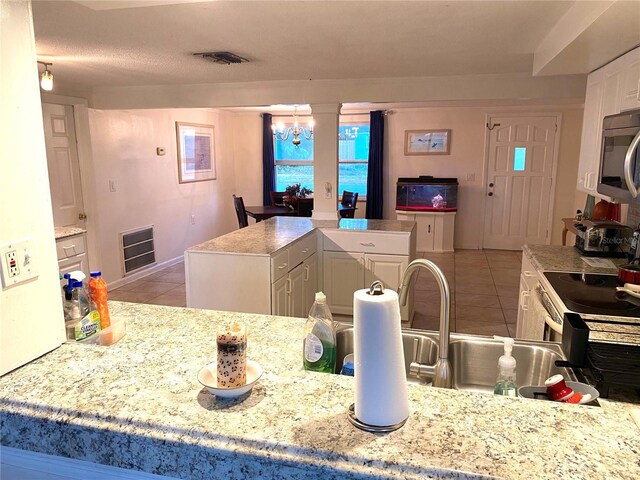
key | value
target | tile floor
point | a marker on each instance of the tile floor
(484, 287)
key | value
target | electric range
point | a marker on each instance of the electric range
(592, 294)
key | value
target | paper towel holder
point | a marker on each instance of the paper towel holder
(351, 415)
(376, 288)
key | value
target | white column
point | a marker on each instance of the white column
(325, 160)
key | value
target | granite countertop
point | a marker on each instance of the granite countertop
(138, 405)
(265, 238)
(64, 232)
(554, 258)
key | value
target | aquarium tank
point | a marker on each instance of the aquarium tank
(427, 193)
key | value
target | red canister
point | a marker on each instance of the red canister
(630, 273)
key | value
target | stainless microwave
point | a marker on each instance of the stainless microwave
(619, 176)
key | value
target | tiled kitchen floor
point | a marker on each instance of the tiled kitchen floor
(484, 287)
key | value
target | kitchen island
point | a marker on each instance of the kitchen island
(282, 262)
(138, 405)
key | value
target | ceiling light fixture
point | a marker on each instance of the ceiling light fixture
(46, 79)
(282, 132)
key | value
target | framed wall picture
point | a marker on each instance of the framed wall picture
(427, 142)
(196, 152)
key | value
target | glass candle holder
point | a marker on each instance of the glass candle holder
(231, 340)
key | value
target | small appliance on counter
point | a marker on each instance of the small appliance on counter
(603, 238)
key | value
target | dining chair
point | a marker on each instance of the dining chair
(348, 202)
(243, 220)
(277, 199)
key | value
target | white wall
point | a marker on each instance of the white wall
(468, 131)
(30, 311)
(124, 146)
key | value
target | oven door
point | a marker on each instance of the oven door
(540, 301)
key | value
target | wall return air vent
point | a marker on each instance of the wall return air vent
(225, 58)
(137, 249)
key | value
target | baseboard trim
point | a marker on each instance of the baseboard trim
(149, 271)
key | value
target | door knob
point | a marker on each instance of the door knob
(82, 216)
(490, 194)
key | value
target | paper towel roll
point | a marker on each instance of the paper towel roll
(381, 397)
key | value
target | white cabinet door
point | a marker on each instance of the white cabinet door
(425, 232)
(296, 293)
(611, 92)
(310, 286)
(280, 297)
(523, 303)
(343, 275)
(591, 134)
(388, 269)
(630, 90)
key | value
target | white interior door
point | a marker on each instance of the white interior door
(62, 161)
(519, 180)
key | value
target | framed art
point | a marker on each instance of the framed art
(196, 152)
(427, 142)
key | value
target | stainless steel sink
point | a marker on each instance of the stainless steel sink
(474, 359)
(428, 353)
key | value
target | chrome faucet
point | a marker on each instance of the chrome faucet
(441, 371)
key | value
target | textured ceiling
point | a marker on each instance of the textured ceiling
(153, 45)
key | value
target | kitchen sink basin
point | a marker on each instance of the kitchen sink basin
(428, 352)
(473, 358)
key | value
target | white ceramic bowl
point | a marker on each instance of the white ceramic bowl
(208, 377)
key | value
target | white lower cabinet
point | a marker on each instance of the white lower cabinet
(72, 254)
(293, 295)
(346, 272)
(435, 229)
(528, 281)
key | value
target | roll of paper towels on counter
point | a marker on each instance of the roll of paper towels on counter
(381, 396)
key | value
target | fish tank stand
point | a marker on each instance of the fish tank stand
(434, 231)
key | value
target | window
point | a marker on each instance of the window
(295, 165)
(519, 159)
(353, 155)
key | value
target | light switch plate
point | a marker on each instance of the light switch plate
(18, 264)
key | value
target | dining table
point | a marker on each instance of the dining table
(263, 212)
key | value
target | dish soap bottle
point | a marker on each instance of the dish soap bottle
(319, 346)
(506, 382)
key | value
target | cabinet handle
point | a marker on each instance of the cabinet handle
(524, 300)
(368, 244)
(527, 273)
(429, 229)
(287, 288)
(305, 250)
(280, 267)
(306, 273)
(65, 248)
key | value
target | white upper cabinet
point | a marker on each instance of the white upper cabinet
(610, 90)
(630, 89)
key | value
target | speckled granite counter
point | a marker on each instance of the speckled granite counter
(265, 238)
(64, 232)
(553, 258)
(138, 405)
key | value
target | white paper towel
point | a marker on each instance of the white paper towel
(381, 397)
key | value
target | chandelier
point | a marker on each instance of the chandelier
(282, 132)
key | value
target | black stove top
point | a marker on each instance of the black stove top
(592, 294)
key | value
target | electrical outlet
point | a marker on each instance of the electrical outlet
(112, 186)
(193, 219)
(471, 177)
(12, 264)
(17, 262)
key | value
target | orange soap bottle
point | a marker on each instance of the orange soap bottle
(98, 292)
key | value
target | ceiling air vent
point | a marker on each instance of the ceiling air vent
(226, 58)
